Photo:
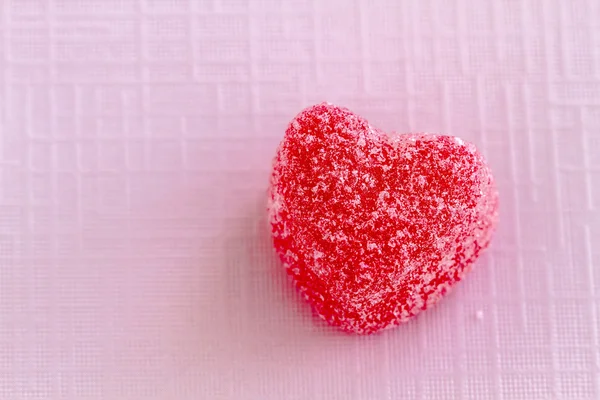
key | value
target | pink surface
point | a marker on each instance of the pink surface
(135, 145)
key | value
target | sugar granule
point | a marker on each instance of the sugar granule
(375, 228)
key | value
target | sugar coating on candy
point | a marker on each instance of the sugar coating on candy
(374, 228)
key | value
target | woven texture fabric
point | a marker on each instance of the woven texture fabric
(136, 139)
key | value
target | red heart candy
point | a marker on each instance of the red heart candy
(374, 228)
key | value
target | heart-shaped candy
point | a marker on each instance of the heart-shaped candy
(374, 228)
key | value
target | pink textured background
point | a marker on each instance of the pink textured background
(135, 145)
